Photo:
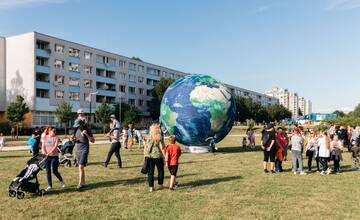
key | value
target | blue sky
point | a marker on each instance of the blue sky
(308, 46)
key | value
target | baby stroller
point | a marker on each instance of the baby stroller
(22, 182)
(66, 151)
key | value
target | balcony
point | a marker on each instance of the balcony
(106, 66)
(74, 89)
(75, 60)
(42, 85)
(153, 77)
(42, 69)
(106, 80)
(45, 53)
(102, 92)
(74, 74)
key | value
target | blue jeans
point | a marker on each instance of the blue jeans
(54, 163)
(297, 159)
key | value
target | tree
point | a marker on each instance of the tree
(278, 112)
(137, 59)
(131, 116)
(356, 112)
(15, 112)
(339, 113)
(124, 107)
(158, 93)
(64, 113)
(102, 115)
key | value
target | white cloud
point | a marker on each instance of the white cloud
(22, 3)
(342, 5)
(262, 9)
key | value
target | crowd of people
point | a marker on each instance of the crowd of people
(156, 153)
(323, 149)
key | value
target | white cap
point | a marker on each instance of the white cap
(80, 111)
(112, 116)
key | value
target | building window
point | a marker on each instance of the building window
(141, 69)
(132, 78)
(74, 67)
(100, 59)
(87, 97)
(74, 82)
(88, 69)
(74, 96)
(87, 83)
(74, 52)
(59, 64)
(123, 76)
(149, 92)
(131, 101)
(140, 79)
(164, 74)
(59, 80)
(141, 102)
(59, 94)
(59, 48)
(111, 62)
(141, 91)
(43, 119)
(87, 55)
(41, 61)
(122, 64)
(42, 77)
(42, 93)
(152, 71)
(132, 66)
(42, 45)
(122, 88)
(131, 90)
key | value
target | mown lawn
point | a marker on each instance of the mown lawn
(227, 185)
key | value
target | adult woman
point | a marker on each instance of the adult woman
(324, 152)
(336, 146)
(154, 151)
(82, 138)
(311, 148)
(49, 147)
(297, 143)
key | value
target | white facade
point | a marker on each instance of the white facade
(291, 101)
(46, 70)
(2, 75)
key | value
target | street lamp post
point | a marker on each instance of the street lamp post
(91, 94)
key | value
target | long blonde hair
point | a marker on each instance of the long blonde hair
(327, 139)
(155, 133)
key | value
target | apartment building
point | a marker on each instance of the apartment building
(2, 77)
(46, 70)
(291, 101)
(255, 96)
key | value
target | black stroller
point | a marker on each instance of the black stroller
(22, 182)
(66, 151)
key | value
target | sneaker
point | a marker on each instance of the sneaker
(328, 171)
(266, 171)
(273, 171)
(80, 186)
(171, 189)
(48, 188)
(105, 165)
(161, 187)
(322, 172)
(176, 185)
(302, 173)
(295, 173)
(62, 184)
(152, 189)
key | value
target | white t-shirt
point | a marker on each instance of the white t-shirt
(115, 136)
(1, 141)
(323, 150)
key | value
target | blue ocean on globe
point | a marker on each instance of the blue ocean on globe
(197, 107)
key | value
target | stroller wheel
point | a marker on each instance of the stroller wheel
(12, 193)
(41, 192)
(20, 195)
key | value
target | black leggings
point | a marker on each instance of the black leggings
(310, 157)
(115, 148)
(159, 163)
(324, 163)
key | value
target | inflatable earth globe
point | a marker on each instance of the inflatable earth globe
(197, 107)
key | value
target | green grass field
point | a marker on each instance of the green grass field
(228, 185)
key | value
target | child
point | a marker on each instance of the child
(212, 143)
(244, 142)
(2, 141)
(173, 152)
(124, 139)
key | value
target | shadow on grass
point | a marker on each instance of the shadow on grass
(240, 149)
(15, 156)
(205, 182)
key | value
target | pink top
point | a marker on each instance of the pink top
(50, 147)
